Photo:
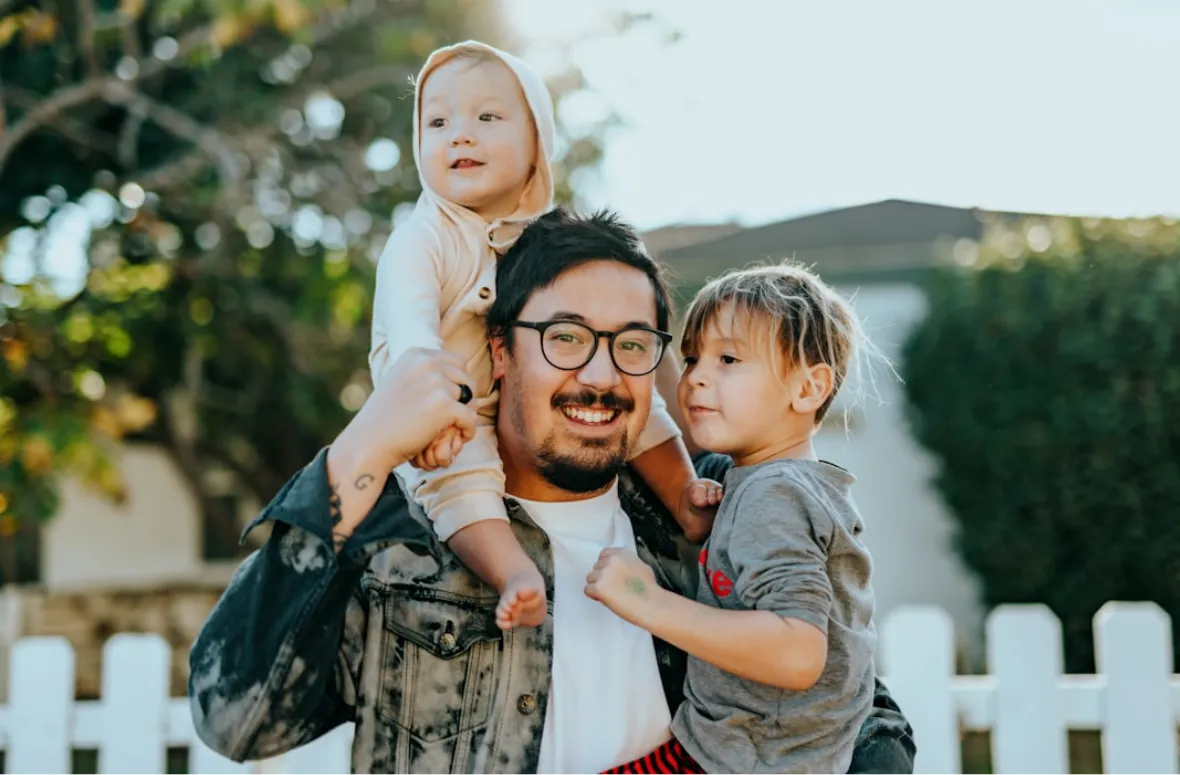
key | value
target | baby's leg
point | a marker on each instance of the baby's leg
(491, 551)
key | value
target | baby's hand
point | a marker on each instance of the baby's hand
(623, 583)
(441, 452)
(698, 508)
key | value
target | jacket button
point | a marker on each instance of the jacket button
(447, 640)
(485, 292)
(526, 704)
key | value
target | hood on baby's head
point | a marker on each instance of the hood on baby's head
(538, 197)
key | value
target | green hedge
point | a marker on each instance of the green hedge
(1046, 383)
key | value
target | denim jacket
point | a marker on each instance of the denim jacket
(396, 635)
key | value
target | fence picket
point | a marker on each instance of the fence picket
(918, 655)
(1133, 650)
(41, 696)
(1025, 655)
(136, 671)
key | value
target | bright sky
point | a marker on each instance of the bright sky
(767, 108)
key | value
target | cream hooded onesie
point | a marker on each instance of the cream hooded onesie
(436, 280)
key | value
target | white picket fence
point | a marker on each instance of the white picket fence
(1026, 702)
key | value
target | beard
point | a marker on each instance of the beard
(586, 470)
(595, 462)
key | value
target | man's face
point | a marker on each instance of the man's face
(574, 429)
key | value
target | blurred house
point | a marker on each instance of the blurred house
(157, 544)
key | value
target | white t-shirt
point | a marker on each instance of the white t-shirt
(606, 702)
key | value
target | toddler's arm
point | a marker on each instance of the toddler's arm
(756, 645)
(781, 639)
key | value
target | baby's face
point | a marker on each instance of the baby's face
(478, 139)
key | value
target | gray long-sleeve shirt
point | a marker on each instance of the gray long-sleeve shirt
(787, 539)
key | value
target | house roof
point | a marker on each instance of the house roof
(890, 222)
(667, 238)
(882, 241)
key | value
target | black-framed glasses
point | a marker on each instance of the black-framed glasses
(569, 345)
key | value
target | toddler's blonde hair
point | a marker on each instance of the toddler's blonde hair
(789, 315)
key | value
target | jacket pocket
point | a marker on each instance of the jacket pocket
(439, 661)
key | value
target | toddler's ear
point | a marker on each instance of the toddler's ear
(813, 386)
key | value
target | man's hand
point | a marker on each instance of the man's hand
(418, 399)
(698, 508)
(624, 584)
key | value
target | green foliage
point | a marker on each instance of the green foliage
(1046, 383)
(221, 305)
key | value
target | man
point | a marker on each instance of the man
(390, 631)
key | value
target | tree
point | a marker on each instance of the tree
(1056, 426)
(194, 193)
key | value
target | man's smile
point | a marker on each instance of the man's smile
(592, 417)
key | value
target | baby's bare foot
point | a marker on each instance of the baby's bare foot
(522, 603)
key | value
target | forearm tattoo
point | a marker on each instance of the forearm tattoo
(336, 508)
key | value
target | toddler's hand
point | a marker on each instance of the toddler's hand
(623, 583)
(441, 452)
(698, 508)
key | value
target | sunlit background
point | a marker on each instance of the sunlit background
(762, 110)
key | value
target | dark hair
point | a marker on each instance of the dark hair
(559, 241)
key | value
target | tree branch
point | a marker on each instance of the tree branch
(179, 124)
(251, 478)
(356, 84)
(73, 130)
(128, 152)
(87, 25)
(131, 47)
(95, 86)
(183, 452)
(47, 111)
(181, 171)
(325, 29)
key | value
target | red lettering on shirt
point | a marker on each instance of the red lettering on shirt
(721, 584)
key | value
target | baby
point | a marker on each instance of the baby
(780, 635)
(483, 139)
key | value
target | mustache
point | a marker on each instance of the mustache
(588, 399)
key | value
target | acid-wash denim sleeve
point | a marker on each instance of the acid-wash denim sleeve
(886, 739)
(273, 666)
